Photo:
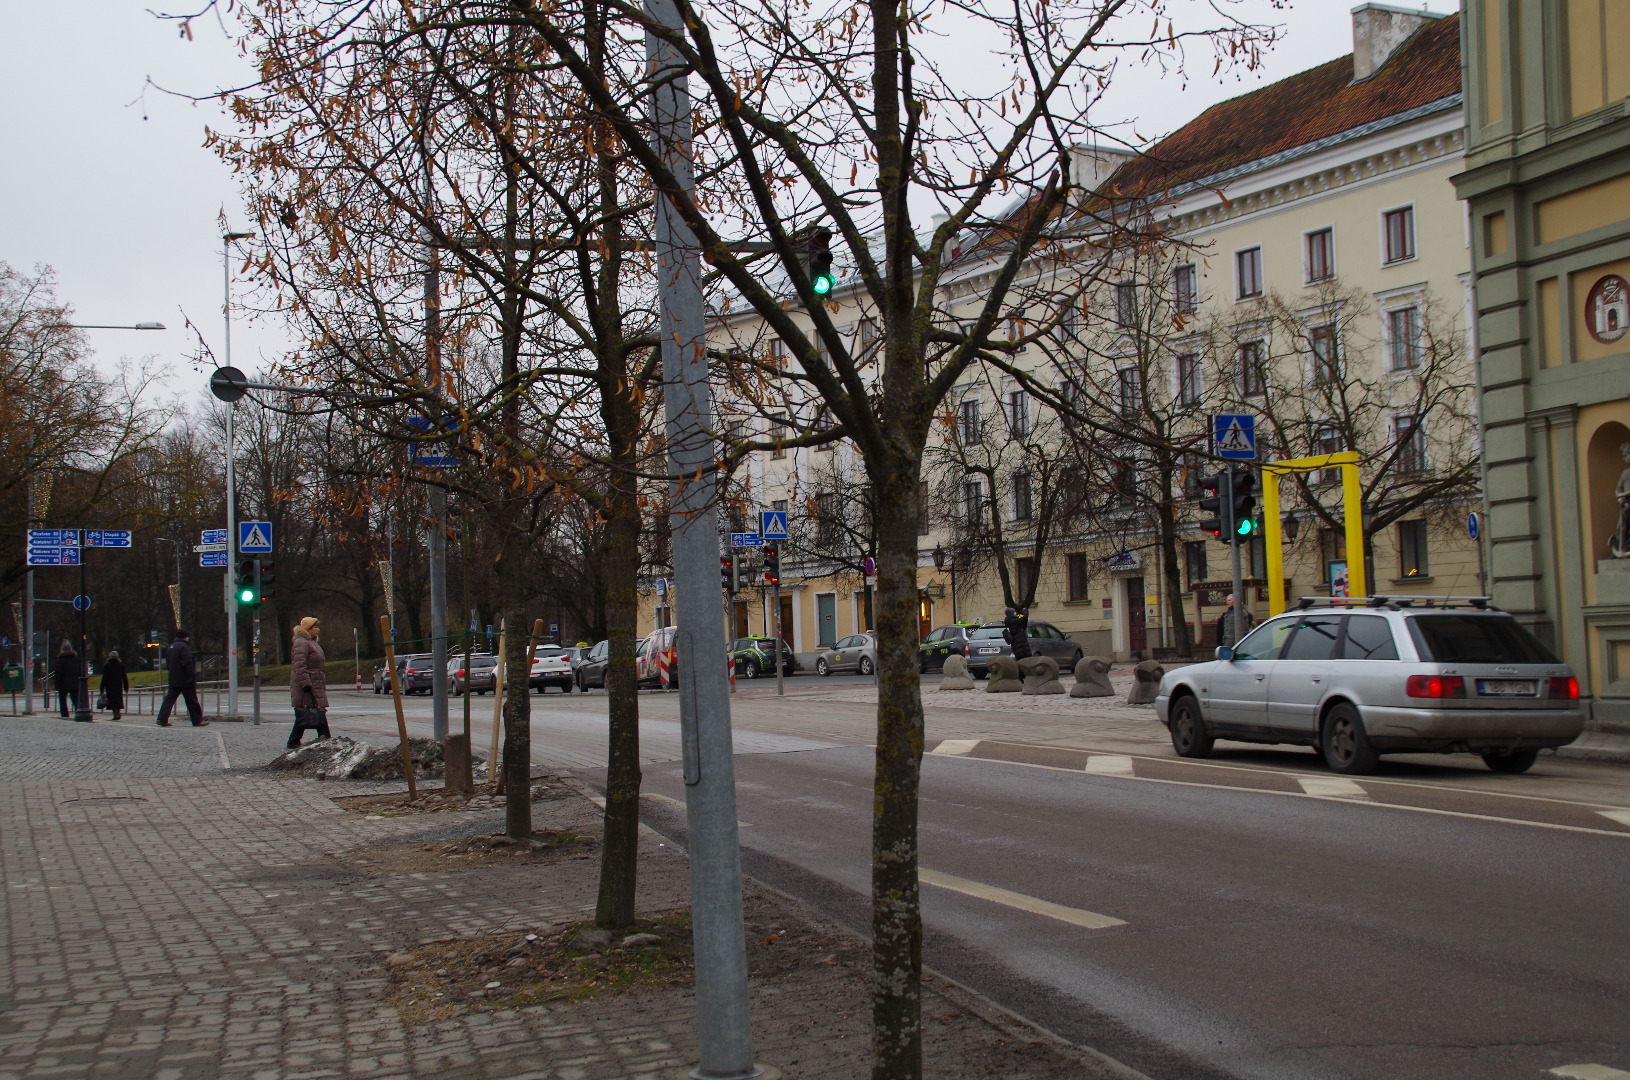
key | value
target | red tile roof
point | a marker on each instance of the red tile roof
(1299, 110)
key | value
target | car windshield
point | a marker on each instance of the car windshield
(484, 661)
(1265, 641)
(1477, 639)
(987, 632)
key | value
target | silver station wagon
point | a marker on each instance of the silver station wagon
(1380, 675)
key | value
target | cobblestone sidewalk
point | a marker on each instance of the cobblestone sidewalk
(235, 926)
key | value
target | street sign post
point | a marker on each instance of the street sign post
(213, 536)
(1233, 436)
(772, 525)
(53, 556)
(746, 540)
(82, 602)
(254, 537)
(107, 538)
(210, 547)
(212, 558)
(53, 538)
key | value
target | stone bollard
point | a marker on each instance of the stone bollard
(1145, 683)
(1092, 678)
(456, 754)
(1040, 675)
(1004, 676)
(956, 674)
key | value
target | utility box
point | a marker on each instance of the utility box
(12, 677)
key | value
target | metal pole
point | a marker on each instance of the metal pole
(28, 597)
(231, 495)
(723, 1034)
(438, 614)
(255, 646)
(82, 707)
(780, 679)
(1227, 516)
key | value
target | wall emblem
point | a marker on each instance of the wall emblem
(1607, 309)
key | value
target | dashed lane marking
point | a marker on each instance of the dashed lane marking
(1074, 916)
(220, 744)
(1109, 765)
(671, 801)
(1335, 787)
(1623, 818)
(956, 747)
(1590, 1072)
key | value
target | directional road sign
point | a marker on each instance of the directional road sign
(212, 558)
(772, 524)
(1472, 525)
(1234, 435)
(212, 536)
(255, 537)
(53, 538)
(434, 457)
(210, 547)
(107, 538)
(53, 556)
(82, 602)
(746, 540)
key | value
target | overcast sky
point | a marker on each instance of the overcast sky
(107, 180)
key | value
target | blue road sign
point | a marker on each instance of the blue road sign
(870, 565)
(53, 538)
(53, 556)
(212, 536)
(772, 524)
(255, 537)
(1472, 525)
(212, 558)
(746, 540)
(107, 538)
(1234, 435)
(554, 629)
(662, 586)
(82, 602)
(432, 456)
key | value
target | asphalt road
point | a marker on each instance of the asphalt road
(1204, 928)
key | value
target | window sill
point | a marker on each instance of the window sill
(1418, 579)
(1405, 261)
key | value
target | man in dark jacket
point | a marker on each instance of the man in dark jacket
(1228, 633)
(1017, 631)
(67, 676)
(183, 682)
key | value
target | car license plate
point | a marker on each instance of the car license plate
(987, 652)
(1506, 687)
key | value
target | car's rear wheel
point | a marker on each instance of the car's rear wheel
(866, 665)
(821, 668)
(1345, 743)
(922, 664)
(1512, 761)
(1189, 735)
(751, 670)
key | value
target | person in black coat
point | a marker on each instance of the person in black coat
(183, 672)
(114, 683)
(67, 676)
(1017, 631)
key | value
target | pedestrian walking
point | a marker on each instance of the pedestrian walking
(115, 683)
(308, 682)
(1227, 632)
(1017, 632)
(183, 675)
(67, 676)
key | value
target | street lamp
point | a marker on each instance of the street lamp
(108, 326)
(942, 562)
(231, 483)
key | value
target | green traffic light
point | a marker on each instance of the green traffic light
(246, 596)
(1246, 527)
(822, 284)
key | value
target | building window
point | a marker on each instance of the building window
(1404, 338)
(1409, 435)
(1398, 227)
(969, 428)
(868, 333)
(973, 501)
(1188, 378)
(1018, 413)
(1412, 549)
(1327, 440)
(778, 353)
(825, 423)
(1248, 272)
(1126, 303)
(1194, 468)
(923, 522)
(778, 435)
(1080, 576)
(1194, 559)
(1016, 329)
(1326, 360)
(1019, 496)
(1253, 369)
(1129, 389)
(1186, 289)
(1126, 484)
(828, 519)
(1321, 255)
(778, 504)
(1069, 322)
(1024, 578)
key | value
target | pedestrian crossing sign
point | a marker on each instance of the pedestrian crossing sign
(255, 537)
(1234, 435)
(773, 524)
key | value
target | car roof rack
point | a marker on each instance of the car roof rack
(1398, 603)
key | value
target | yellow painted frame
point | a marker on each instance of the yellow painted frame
(1352, 507)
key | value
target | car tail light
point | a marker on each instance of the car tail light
(1565, 686)
(460, 674)
(1436, 686)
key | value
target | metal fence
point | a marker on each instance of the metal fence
(139, 700)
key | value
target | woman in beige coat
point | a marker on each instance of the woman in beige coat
(308, 682)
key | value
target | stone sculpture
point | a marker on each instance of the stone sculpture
(956, 674)
(1092, 678)
(1004, 676)
(1040, 675)
(1145, 683)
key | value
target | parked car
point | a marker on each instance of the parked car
(482, 676)
(591, 670)
(944, 641)
(753, 657)
(405, 674)
(1397, 675)
(857, 652)
(647, 657)
(1045, 640)
(551, 666)
(574, 654)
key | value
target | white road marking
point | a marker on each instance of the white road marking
(220, 744)
(1109, 765)
(1335, 787)
(1075, 916)
(956, 747)
(1621, 816)
(1590, 1072)
(671, 801)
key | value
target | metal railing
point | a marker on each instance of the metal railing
(143, 700)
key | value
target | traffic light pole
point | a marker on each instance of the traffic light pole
(1240, 603)
(260, 595)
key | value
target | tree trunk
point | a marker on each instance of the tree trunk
(1166, 515)
(619, 858)
(517, 725)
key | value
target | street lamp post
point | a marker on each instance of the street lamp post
(231, 483)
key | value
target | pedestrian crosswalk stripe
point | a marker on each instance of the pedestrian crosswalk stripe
(1332, 786)
(1590, 1072)
(956, 747)
(1110, 765)
(1075, 916)
(1621, 816)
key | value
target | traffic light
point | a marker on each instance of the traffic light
(818, 251)
(1244, 509)
(243, 586)
(1211, 504)
(264, 579)
(772, 565)
(727, 573)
